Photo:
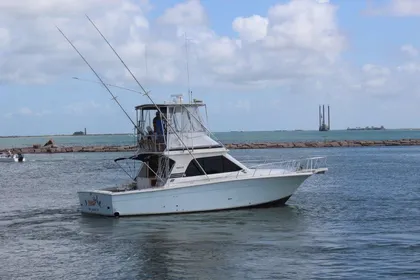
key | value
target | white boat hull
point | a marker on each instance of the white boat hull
(247, 192)
(14, 158)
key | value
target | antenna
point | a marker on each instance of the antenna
(113, 96)
(148, 96)
(145, 58)
(188, 70)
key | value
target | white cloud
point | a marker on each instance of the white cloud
(386, 81)
(404, 8)
(298, 45)
(410, 50)
(4, 37)
(409, 67)
(36, 53)
(85, 108)
(296, 40)
(378, 80)
(251, 29)
(399, 8)
(189, 13)
(305, 25)
(25, 111)
(375, 70)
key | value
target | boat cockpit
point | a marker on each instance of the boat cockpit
(154, 170)
(172, 126)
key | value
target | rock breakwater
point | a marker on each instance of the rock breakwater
(326, 144)
(37, 149)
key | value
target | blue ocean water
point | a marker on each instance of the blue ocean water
(360, 220)
(224, 137)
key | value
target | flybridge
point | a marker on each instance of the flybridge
(174, 127)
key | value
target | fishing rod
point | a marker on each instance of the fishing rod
(110, 85)
(188, 68)
(147, 94)
(102, 82)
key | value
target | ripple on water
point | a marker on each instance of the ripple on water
(358, 221)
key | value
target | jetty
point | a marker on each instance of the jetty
(52, 148)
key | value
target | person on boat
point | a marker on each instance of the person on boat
(158, 124)
(9, 154)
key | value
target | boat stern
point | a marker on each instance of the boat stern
(96, 202)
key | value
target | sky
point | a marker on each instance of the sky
(258, 65)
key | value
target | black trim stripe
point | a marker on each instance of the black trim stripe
(176, 175)
(196, 148)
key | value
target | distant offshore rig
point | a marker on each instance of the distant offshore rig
(322, 125)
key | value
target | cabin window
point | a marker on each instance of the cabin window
(211, 165)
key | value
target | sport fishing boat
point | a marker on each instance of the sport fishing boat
(9, 157)
(183, 169)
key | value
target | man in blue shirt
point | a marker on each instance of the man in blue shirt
(157, 124)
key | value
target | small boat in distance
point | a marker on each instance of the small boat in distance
(9, 157)
(183, 169)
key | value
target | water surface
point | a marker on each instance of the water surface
(358, 221)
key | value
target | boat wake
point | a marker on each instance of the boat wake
(20, 218)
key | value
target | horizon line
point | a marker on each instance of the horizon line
(232, 131)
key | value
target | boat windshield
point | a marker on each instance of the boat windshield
(186, 119)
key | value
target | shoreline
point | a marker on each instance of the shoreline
(240, 146)
(245, 131)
